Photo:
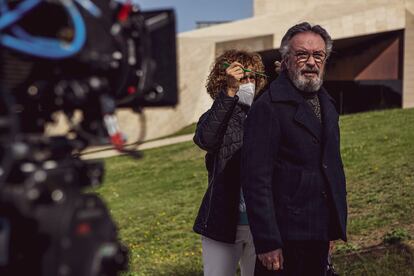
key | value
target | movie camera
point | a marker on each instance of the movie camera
(85, 59)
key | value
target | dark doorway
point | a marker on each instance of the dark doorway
(360, 96)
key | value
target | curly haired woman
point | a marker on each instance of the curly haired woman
(222, 219)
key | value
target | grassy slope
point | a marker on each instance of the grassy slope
(378, 154)
(154, 200)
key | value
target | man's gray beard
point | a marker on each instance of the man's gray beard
(304, 84)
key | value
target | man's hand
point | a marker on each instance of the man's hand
(234, 73)
(272, 260)
(331, 247)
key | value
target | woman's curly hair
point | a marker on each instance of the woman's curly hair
(217, 79)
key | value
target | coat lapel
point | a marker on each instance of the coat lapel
(282, 90)
(329, 115)
(307, 119)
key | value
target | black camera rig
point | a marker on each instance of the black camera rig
(71, 56)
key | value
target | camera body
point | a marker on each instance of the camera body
(90, 57)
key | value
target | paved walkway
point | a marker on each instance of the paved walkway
(99, 152)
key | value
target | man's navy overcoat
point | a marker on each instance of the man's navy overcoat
(292, 173)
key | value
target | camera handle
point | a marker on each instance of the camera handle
(111, 124)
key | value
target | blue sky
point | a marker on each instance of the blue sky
(188, 12)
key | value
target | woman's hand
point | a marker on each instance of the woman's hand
(234, 73)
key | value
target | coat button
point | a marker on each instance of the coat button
(324, 194)
(324, 166)
(315, 141)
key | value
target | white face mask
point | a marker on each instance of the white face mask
(246, 93)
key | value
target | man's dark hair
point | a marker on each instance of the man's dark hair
(303, 28)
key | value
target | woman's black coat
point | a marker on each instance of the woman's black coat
(220, 132)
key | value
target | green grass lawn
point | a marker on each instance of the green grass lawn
(154, 200)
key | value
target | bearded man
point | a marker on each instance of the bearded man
(292, 172)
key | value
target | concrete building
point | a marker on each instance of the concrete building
(373, 55)
(205, 24)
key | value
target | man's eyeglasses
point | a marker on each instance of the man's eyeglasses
(302, 56)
